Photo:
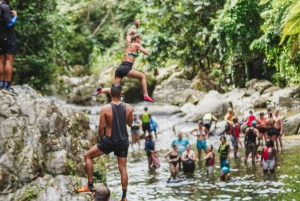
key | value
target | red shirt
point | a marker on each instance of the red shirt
(250, 119)
(237, 130)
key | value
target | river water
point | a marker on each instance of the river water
(249, 182)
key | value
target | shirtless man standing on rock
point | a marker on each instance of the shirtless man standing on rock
(114, 116)
(278, 129)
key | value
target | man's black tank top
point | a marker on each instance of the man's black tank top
(119, 130)
(251, 136)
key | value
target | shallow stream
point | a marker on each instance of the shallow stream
(249, 182)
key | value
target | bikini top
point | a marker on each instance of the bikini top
(173, 156)
(203, 132)
(134, 55)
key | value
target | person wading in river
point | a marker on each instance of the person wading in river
(114, 116)
(278, 129)
(201, 134)
(251, 134)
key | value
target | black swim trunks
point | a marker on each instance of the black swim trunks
(277, 131)
(271, 131)
(262, 130)
(8, 46)
(146, 127)
(120, 149)
(123, 69)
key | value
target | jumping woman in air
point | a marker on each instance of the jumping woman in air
(125, 69)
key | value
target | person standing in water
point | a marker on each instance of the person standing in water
(262, 128)
(135, 130)
(235, 134)
(181, 143)
(188, 159)
(270, 122)
(173, 161)
(269, 157)
(150, 149)
(229, 119)
(210, 160)
(224, 151)
(251, 134)
(114, 117)
(145, 117)
(278, 125)
(132, 49)
(201, 134)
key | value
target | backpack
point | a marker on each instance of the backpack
(265, 153)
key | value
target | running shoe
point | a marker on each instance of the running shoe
(86, 189)
(10, 91)
(97, 92)
(147, 98)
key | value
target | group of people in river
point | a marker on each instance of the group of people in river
(115, 116)
(261, 134)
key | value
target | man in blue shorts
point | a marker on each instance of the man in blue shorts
(114, 116)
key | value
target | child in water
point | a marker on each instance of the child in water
(210, 160)
(225, 176)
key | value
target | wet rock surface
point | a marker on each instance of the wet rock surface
(38, 138)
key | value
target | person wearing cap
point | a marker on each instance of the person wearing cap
(251, 134)
(114, 116)
(135, 130)
(224, 175)
(102, 193)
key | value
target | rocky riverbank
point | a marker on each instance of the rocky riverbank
(169, 86)
(42, 146)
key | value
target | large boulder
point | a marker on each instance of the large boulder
(291, 125)
(259, 85)
(212, 102)
(176, 91)
(39, 137)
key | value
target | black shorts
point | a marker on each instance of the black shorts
(120, 149)
(250, 148)
(207, 124)
(262, 130)
(271, 131)
(277, 131)
(8, 46)
(123, 69)
(146, 127)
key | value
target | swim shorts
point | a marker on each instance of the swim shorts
(201, 144)
(269, 164)
(277, 131)
(271, 131)
(223, 164)
(234, 142)
(262, 130)
(120, 149)
(135, 131)
(251, 148)
(123, 69)
(8, 46)
(146, 127)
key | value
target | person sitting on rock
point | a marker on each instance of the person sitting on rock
(102, 193)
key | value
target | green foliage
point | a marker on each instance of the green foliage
(99, 173)
(196, 34)
(283, 54)
(31, 194)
